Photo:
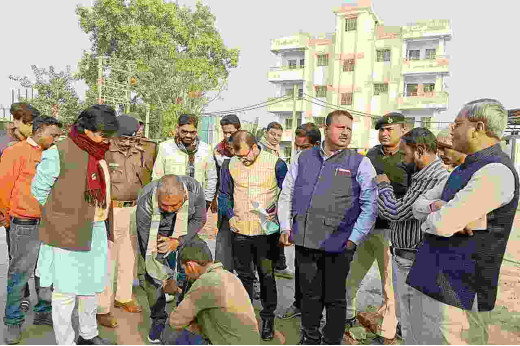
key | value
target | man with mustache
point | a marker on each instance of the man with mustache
(387, 159)
(467, 223)
(327, 206)
(252, 179)
(187, 155)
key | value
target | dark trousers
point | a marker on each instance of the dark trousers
(323, 283)
(262, 250)
(297, 288)
(171, 336)
(281, 262)
(24, 247)
(155, 293)
(8, 241)
(224, 244)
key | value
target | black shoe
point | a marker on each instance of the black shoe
(398, 331)
(267, 329)
(94, 341)
(351, 322)
(43, 318)
(256, 290)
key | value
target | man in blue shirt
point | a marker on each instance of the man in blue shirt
(327, 206)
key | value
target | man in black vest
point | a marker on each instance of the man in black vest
(467, 224)
(387, 159)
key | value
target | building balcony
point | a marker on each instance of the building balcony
(427, 29)
(287, 136)
(428, 100)
(285, 106)
(295, 42)
(285, 73)
(440, 64)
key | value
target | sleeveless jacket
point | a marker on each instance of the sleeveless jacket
(455, 270)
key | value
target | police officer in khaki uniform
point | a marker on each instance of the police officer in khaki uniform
(130, 160)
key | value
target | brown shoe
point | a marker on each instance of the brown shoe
(107, 320)
(390, 341)
(130, 306)
(369, 320)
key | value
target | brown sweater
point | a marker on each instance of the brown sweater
(66, 220)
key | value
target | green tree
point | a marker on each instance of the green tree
(171, 56)
(55, 93)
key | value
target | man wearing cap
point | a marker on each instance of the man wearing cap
(445, 151)
(130, 169)
(386, 159)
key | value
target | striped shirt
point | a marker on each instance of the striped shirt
(405, 229)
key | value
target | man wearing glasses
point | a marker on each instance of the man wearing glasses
(170, 211)
(467, 222)
(251, 181)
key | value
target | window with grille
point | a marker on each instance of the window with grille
(430, 53)
(321, 91)
(426, 122)
(429, 87)
(287, 151)
(300, 93)
(319, 121)
(302, 63)
(346, 98)
(288, 124)
(348, 65)
(411, 90)
(323, 60)
(289, 92)
(414, 54)
(380, 88)
(292, 64)
(350, 24)
(383, 55)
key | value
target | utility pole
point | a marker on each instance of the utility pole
(294, 120)
(100, 78)
(147, 122)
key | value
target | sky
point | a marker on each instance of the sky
(484, 50)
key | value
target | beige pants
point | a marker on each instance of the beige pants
(436, 323)
(122, 256)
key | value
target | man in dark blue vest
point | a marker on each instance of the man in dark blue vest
(327, 206)
(467, 224)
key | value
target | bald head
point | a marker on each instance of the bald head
(170, 193)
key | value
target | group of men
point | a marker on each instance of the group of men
(105, 193)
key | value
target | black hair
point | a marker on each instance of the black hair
(187, 119)
(231, 119)
(41, 122)
(337, 113)
(421, 136)
(24, 111)
(98, 118)
(309, 130)
(196, 250)
(274, 125)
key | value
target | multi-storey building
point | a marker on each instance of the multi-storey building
(365, 67)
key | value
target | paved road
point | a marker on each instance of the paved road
(133, 326)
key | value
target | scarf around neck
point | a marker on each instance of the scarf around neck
(190, 152)
(95, 194)
(223, 148)
(274, 149)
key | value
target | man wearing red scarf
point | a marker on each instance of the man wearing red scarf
(72, 230)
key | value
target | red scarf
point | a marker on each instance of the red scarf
(96, 187)
(223, 148)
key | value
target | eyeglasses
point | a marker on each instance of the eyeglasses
(240, 157)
